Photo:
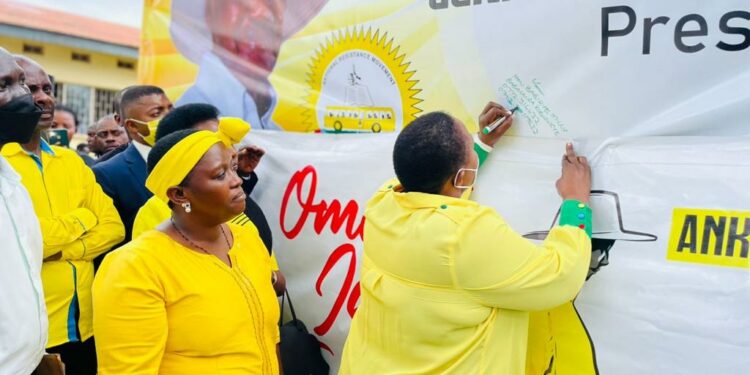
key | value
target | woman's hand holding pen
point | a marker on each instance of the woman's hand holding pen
(492, 112)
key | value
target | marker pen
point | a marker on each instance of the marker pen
(491, 127)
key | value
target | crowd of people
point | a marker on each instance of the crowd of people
(84, 207)
(151, 257)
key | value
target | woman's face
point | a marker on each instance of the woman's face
(213, 187)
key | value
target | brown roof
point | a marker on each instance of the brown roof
(39, 18)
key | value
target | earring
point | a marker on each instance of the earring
(187, 207)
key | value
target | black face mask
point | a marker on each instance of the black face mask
(18, 119)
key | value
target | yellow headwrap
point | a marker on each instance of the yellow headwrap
(175, 165)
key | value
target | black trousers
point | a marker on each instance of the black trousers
(79, 357)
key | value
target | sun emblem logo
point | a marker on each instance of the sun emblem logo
(359, 81)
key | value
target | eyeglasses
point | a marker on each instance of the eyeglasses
(115, 133)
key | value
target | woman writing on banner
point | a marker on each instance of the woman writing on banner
(447, 285)
(193, 295)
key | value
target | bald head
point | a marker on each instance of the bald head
(106, 121)
(40, 85)
(13, 77)
(27, 63)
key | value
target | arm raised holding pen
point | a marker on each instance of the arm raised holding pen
(468, 279)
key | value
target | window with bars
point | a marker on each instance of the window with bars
(90, 103)
(79, 98)
(58, 92)
(104, 103)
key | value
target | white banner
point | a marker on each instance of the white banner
(603, 68)
(671, 213)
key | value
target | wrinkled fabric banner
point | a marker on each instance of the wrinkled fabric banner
(655, 93)
(574, 69)
(671, 236)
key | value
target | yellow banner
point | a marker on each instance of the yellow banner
(343, 70)
(714, 237)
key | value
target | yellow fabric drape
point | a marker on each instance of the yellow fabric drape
(558, 343)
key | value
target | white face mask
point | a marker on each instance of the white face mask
(475, 171)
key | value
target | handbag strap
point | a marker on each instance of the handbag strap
(285, 297)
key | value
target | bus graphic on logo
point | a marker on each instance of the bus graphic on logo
(358, 115)
(359, 119)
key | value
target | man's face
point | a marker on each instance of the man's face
(149, 107)
(12, 79)
(145, 109)
(91, 138)
(41, 88)
(109, 136)
(248, 32)
(64, 120)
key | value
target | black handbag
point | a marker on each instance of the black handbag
(300, 351)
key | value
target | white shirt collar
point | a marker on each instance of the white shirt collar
(143, 150)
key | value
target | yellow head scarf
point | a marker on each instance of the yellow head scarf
(175, 165)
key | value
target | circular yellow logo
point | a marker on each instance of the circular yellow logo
(360, 82)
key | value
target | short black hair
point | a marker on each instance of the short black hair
(428, 152)
(131, 94)
(65, 108)
(162, 146)
(185, 117)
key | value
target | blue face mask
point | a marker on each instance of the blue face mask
(18, 119)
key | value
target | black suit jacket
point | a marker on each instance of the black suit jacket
(255, 213)
(123, 178)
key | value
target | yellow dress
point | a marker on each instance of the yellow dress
(447, 287)
(155, 212)
(160, 308)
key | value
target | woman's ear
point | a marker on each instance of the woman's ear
(176, 194)
(462, 178)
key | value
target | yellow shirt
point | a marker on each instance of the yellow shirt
(161, 308)
(447, 287)
(77, 219)
(150, 215)
(155, 212)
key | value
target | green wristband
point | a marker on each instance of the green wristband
(576, 214)
(481, 153)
